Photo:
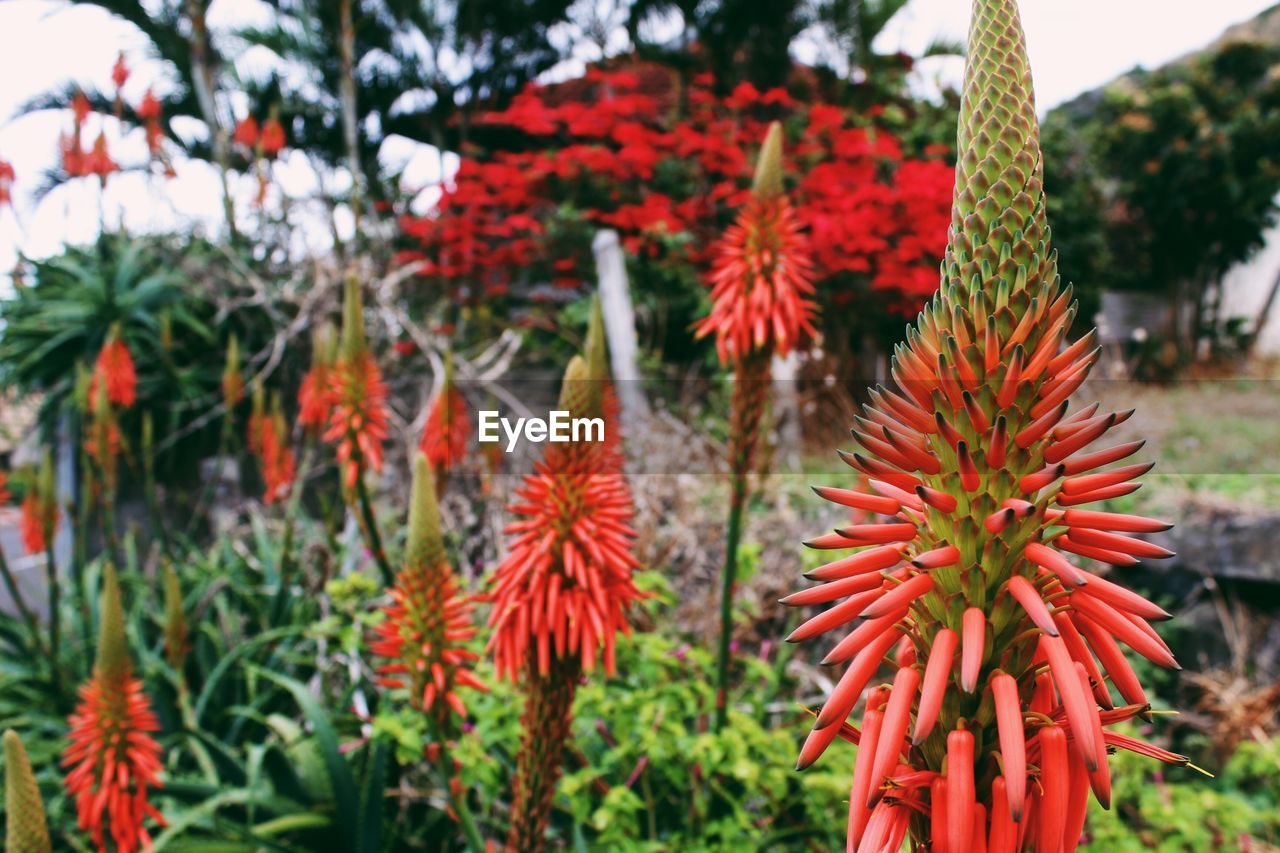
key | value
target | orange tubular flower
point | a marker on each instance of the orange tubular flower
(277, 456)
(103, 439)
(99, 161)
(7, 176)
(40, 509)
(112, 759)
(114, 368)
(761, 284)
(762, 278)
(358, 420)
(429, 619)
(246, 132)
(562, 594)
(272, 138)
(119, 71)
(315, 394)
(444, 437)
(981, 471)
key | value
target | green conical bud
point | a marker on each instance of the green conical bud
(113, 655)
(597, 359)
(101, 403)
(324, 344)
(999, 233)
(426, 542)
(175, 619)
(27, 832)
(768, 182)
(259, 400)
(354, 344)
(166, 329)
(575, 395)
(47, 490)
(84, 381)
(232, 365)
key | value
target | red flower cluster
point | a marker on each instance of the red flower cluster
(607, 144)
(7, 177)
(246, 132)
(35, 520)
(40, 509)
(149, 112)
(113, 758)
(119, 72)
(277, 459)
(428, 621)
(565, 586)
(357, 396)
(358, 418)
(444, 436)
(114, 368)
(761, 283)
(267, 140)
(995, 728)
(268, 439)
(315, 398)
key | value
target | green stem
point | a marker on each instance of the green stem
(475, 841)
(372, 538)
(153, 504)
(728, 582)
(224, 443)
(55, 603)
(80, 511)
(11, 584)
(290, 526)
(107, 503)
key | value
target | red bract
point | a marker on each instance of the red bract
(5, 497)
(428, 622)
(968, 462)
(112, 759)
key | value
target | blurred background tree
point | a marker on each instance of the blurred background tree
(1165, 180)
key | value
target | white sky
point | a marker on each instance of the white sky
(1075, 45)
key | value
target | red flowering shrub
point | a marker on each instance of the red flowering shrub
(616, 149)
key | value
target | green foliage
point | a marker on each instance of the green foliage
(63, 317)
(1173, 809)
(1165, 180)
